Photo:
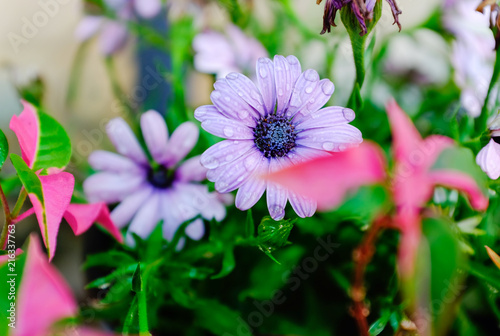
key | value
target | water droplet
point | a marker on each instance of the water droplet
(263, 72)
(228, 131)
(328, 146)
(309, 89)
(226, 98)
(295, 101)
(221, 185)
(280, 92)
(240, 93)
(349, 114)
(278, 68)
(292, 60)
(342, 147)
(243, 114)
(209, 162)
(328, 88)
(232, 76)
(249, 162)
(311, 75)
(236, 142)
(276, 211)
(229, 158)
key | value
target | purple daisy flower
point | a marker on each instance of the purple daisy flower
(150, 192)
(278, 123)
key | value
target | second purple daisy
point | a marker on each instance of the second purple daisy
(275, 124)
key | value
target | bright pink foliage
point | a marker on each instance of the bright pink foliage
(27, 129)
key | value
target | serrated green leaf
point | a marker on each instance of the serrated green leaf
(4, 148)
(54, 145)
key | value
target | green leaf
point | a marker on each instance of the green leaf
(137, 279)
(54, 145)
(249, 225)
(461, 159)
(379, 325)
(109, 259)
(28, 178)
(4, 148)
(228, 263)
(218, 318)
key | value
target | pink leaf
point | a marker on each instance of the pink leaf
(462, 182)
(26, 126)
(81, 216)
(44, 296)
(57, 190)
(328, 179)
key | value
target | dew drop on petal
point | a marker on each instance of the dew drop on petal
(228, 131)
(292, 60)
(349, 114)
(309, 89)
(249, 162)
(263, 72)
(210, 162)
(226, 98)
(311, 75)
(328, 88)
(243, 114)
(229, 158)
(232, 75)
(328, 146)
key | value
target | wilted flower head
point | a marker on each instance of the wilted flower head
(362, 9)
(221, 53)
(114, 32)
(278, 123)
(150, 192)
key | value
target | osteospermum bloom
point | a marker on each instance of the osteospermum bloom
(221, 53)
(149, 192)
(488, 157)
(270, 126)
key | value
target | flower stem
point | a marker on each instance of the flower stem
(20, 202)
(482, 119)
(7, 215)
(362, 257)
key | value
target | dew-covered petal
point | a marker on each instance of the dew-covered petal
(111, 187)
(334, 139)
(124, 212)
(180, 144)
(146, 218)
(489, 159)
(253, 189)
(286, 72)
(303, 206)
(205, 112)
(112, 162)
(246, 89)
(276, 195)
(225, 152)
(227, 128)
(230, 104)
(155, 133)
(170, 214)
(309, 95)
(265, 81)
(196, 229)
(235, 174)
(326, 117)
(124, 140)
(215, 209)
(301, 153)
(191, 170)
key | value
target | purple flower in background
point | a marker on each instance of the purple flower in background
(473, 51)
(488, 157)
(270, 126)
(233, 51)
(114, 33)
(164, 190)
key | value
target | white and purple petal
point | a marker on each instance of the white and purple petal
(488, 159)
(111, 187)
(326, 117)
(124, 140)
(225, 152)
(180, 144)
(286, 72)
(123, 213)
(252, 190)
(266, 83)
(231, 105)
(112, 162)
(155, 134)
(332, 139)
(146, 219)
(191, 170)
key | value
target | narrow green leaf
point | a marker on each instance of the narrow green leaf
(4, 148)
(495, 257)
(111, 258)
(28, 178)
(54, 145)
(137, 279)
(249, 225)
(228, 263)
(218, 318)
(379, 325)
(131, 316)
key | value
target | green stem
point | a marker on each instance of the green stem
(20, 202)
(143, 313)
(481, 121)
(7, 215)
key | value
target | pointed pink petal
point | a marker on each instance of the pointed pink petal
(81, 216)
(462, 182)
(26, 127)
(57, 190)
(405, 136)
(328, 179)
(44, 296)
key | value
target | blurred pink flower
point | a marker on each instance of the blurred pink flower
(149, 192)
(327, 179)
(473, 51)
(231, 51)
(57, 189)
(114, 32)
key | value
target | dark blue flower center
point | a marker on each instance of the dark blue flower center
(274, 136)
(161, 177)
